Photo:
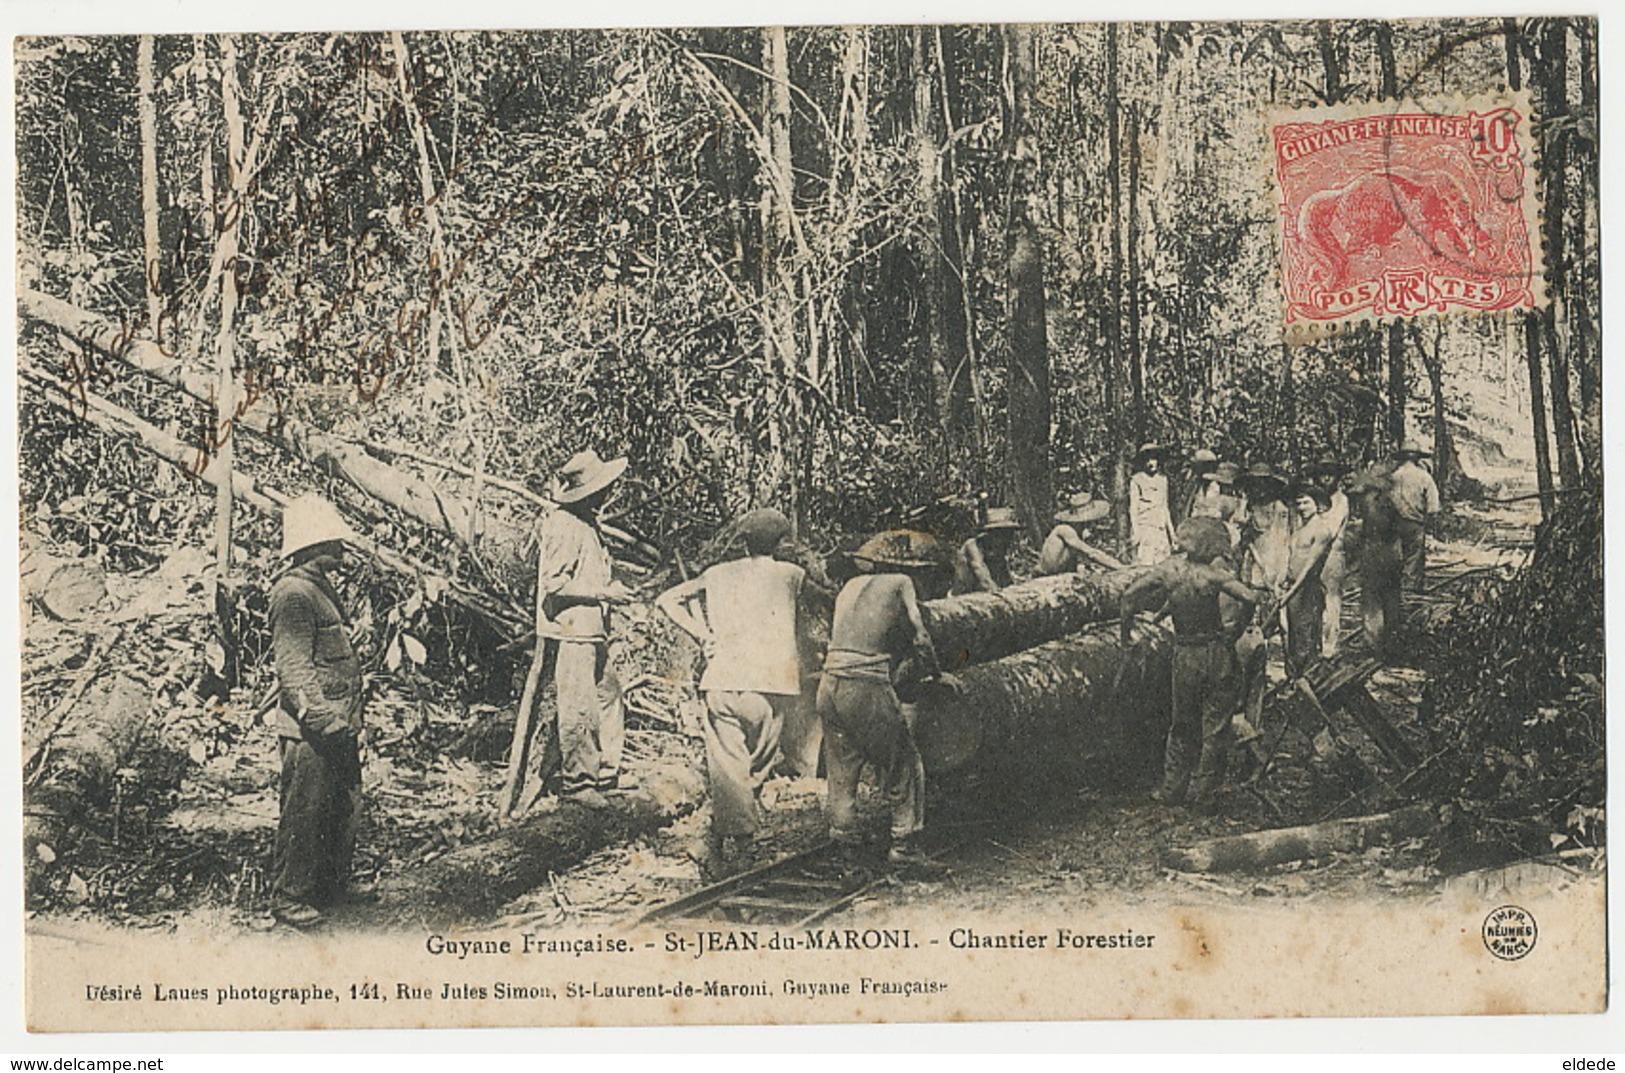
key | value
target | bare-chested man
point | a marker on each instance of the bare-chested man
(1204, 660)
(877, 631)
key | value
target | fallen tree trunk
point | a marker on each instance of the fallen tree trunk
(510, 622)
(1053, 711)
(504, 548)
(475, 880)
(1261, 849)
(77, 767)
(109, 339)
(986, 626)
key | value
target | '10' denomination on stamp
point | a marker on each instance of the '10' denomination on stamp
(1389, 210)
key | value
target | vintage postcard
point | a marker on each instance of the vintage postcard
(763, 525)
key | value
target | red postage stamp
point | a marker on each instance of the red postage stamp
(1404, 211)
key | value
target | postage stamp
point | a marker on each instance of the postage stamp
(1402, 211)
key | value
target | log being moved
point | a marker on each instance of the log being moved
(1074, 707)
(475, 880)
(1261, 849)
(986, 626)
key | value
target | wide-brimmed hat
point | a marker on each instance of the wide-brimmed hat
(1203, 460)
(311, 520)
(1328, 464)
(1083, 508)
(1227, 473)
(908, 549)
(1413, 446)
(1149, 449)
(1000, 518)
(1262, 483)
(584, 475)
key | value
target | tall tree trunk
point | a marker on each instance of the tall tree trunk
(152, 277)
(1028, 400)
(1513, 36)
(1399, 390)
(227, 254)
(967, 373)
(1112, 357)
(1537, 410)
(439, 298)
(779, 192)
(939, 359)
(1447, 464)
(1131, 287)
(1554, 94)
(1583, 298)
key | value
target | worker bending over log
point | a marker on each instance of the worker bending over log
(983, 562)
(743, 612)
(877, 641)
(1064, 550)
(1204, 659)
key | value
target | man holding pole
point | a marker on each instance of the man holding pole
(575, 588)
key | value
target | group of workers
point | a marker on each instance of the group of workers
(1247, 542)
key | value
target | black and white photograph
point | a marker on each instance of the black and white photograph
(810, 524)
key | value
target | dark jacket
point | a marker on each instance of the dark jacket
(319, 674)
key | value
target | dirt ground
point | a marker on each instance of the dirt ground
(194, 851)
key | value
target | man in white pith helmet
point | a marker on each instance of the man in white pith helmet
(319, 718)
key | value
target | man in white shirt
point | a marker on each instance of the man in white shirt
(575, 588)
(1415, 497)
(1328, 473)
(744, 614)
(1150, 526)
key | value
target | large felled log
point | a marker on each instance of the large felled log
(78, 767)
(475, 880)
(1261, 849)
(988, 625)
(1054, 711)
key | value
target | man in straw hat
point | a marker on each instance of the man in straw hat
(744, 614)
(1416, 497)
(575, 587)
(1204, 671)
(1150, 526)
(983, 562)
(877, 633)
(1203, 463)
(318, 718)
(1064, 549)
